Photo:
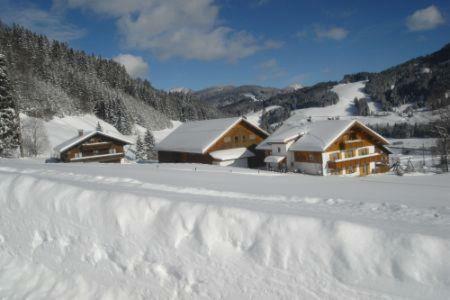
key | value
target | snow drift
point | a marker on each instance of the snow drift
(76, 240)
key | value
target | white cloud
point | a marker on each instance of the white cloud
(49, 23)
(334, 33)
(270, 70)
(425, 19)
(135, 65)
(176, 28)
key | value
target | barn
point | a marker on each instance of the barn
(224, 142)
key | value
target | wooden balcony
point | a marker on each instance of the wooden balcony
(96, 146)
(356, 160)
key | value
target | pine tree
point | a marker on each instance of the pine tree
(9, 120)
(149, 144)
(140, 149)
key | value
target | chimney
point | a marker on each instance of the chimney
(80, 132)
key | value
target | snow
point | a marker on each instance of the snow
(345, 109)
(251, 96)
(274, 159)
(159, 135)
(231, 154)
(96, 231)
(198, 136)
(255, 117)
(61, 129)
(86, 135)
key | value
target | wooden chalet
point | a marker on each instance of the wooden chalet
(92, 146)
(329, 147)
(224, 142)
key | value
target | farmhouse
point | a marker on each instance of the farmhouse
(224, 142)
(330, 147)
(92, 146)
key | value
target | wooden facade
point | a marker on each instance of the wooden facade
(350, 153)
(97, 148)
(241, 135)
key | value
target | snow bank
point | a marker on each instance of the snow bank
(73, 235)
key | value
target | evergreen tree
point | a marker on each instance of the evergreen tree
(149, 144)
(140, 149)
(9, 120)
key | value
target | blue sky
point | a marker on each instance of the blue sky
(201, 43)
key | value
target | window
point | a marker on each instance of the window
(243, 138)
(363, 151)
(334, 156)
(310, 157)
(353, 136)
(279, 149)
(349, 153)
(96, 152)
(236, 139)
(112, 151)
(252, 137)
(227, 139)
(78, 155)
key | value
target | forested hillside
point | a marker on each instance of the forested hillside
(50, 78)
(423, 81)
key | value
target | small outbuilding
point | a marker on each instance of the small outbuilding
(224, 142)
(92, 146)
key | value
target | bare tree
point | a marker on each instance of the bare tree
(34, 137)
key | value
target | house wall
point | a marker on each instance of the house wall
(354, 140)
(307, 162)
(182, 157)
(87, 150)
(241, 135)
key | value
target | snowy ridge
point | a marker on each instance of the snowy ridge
(117, 233)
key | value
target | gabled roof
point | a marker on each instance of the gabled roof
(199, 136)
(282, 135)
(320, 135)
(79, 139)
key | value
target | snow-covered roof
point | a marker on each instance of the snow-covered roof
(86, 135)
(198, 136)
(232, 154)
(274, 159)
(282, 135)
(319, 135)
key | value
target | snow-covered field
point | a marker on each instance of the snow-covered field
(162, 231)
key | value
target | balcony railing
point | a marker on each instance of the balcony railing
(356, 160)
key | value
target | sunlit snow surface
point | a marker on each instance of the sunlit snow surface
(163, 231)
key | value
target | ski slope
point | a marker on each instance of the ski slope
(175, 231)
(345, 109)
(255, 117)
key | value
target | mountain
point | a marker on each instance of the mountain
(223, 96)
(405, 94)
(422, 82)
(51, 79)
